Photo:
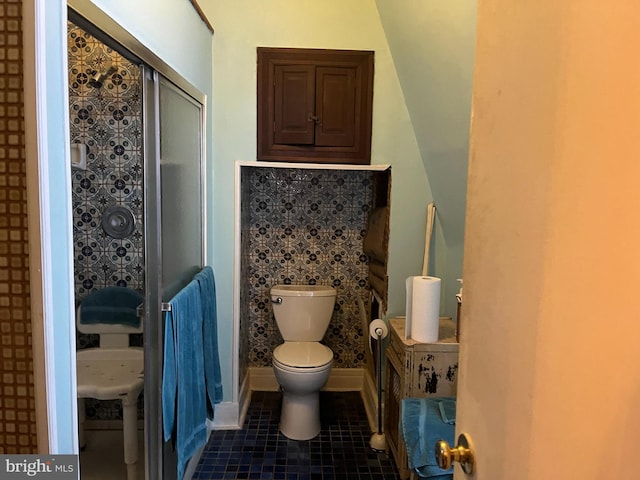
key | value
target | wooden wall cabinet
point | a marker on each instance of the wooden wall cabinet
(415, 369)
(315, 105)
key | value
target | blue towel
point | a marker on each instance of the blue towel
(421, 426)
(213, 377)
(184, 408)
(447, 408)
(111, 305)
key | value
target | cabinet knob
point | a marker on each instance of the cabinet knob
(314, 119)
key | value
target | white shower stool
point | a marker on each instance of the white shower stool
(113, 374)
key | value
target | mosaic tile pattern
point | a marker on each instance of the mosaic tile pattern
(17, 402)
(304, 226)
(258, 451)
(107, 119)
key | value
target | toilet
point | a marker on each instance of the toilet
(302, 364)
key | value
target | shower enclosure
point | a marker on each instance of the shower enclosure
(138, 169)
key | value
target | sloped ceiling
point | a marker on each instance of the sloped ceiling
(432, 43)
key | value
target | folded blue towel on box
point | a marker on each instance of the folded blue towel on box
(422, 426)
(111, 305)
(184, 407)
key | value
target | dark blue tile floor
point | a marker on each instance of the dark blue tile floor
(259, 451)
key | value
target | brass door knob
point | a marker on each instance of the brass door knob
(463, 454)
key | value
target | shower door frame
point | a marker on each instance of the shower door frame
(160, 456)
(154, 70)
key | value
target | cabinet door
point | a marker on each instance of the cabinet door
(314, 105)
(335, 106)
(294, 104)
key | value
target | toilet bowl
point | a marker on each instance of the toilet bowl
(302, 364)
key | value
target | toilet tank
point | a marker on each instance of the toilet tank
(303, 312)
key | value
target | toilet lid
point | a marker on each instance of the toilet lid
(303, 354)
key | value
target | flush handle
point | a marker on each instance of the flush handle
(463, 453)
(276, 300)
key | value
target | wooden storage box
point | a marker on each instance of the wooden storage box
(415, 369)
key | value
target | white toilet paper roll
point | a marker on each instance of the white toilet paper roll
(423, 308)
(378, 326)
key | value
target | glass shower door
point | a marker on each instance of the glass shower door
(181, 172)
(174, 235)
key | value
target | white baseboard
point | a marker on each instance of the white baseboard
(225, 418)
(231, 415)
(263, 379)
(345, 380)
(244, 399)
(370, 400)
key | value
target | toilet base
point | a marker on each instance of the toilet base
(300, 415)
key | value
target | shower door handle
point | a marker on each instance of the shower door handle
(164, 307)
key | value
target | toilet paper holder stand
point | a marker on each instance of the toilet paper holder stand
(379, 330)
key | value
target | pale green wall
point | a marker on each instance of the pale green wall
(243, 25)
(172, 30)
(432, 43)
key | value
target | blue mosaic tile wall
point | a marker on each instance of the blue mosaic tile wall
(108, 120)
(304, 226)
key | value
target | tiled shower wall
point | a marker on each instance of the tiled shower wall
(108, 121)
(17, 401)
(303, 226)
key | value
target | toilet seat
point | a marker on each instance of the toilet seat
(302, 356)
